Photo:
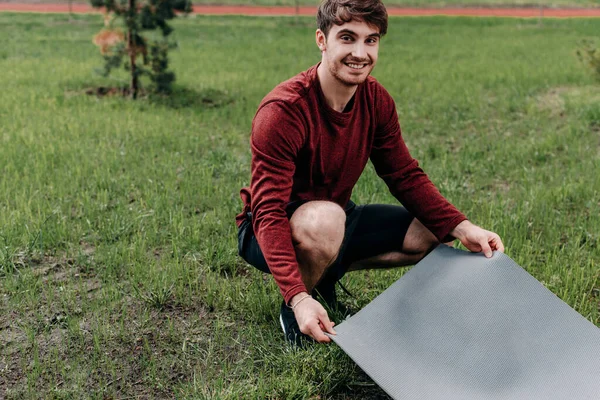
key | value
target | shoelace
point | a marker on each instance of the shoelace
(344, 289)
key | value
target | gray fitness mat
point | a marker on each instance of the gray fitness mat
(459, 326)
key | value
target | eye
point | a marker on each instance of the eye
(372, 40)
(346, 38)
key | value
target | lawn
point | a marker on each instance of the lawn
(389, 3)
(423, 3)
(119, 276)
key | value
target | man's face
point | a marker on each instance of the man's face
(349, 51)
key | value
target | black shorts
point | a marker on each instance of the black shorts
(371, 230)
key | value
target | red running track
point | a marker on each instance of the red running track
(531, 12)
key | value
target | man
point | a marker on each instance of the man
(311, 138)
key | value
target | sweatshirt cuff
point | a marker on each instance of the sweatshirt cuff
(294, 290)
(444, 235)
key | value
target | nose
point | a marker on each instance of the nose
(359, 51)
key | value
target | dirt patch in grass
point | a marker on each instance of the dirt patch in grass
(501, 186)
(552, 101)
(103, 91)
(556, 100)
(179, 98)
(365, 391)
(149, 348)
(10, 335)
(12, 340)
(106, 92)
(97, 338)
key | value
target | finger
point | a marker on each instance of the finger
(317, 334)
(499, 244)
(485, 248)
(328, 331)
(493, 241)
(327, 324)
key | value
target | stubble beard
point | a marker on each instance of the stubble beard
(335, 71)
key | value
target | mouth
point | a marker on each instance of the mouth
(356, 66)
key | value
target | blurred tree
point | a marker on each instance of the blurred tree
(137, 16)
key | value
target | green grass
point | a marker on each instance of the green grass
(401, 3)
(421, 3)
(118, 268)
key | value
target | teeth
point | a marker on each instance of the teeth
(356, 66)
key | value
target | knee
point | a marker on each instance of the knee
(319, 226)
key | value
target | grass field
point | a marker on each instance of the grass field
(390, 3)
(424, 3)
(118, 269)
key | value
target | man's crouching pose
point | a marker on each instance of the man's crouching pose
(312, 136)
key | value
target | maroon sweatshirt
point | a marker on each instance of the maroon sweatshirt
(302, 149)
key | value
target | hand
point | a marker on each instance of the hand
(477, 239)
(312, 318)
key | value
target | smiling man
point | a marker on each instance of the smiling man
(312, 137)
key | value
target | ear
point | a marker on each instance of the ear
(321, 40)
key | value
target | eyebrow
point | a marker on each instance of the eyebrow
(348, 31)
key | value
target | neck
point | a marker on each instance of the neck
(337, 95)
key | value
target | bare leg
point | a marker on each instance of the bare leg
(418, 242)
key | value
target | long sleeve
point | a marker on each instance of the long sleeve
(405, 179)
(277, 137)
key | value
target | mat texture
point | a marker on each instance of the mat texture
(459, 326)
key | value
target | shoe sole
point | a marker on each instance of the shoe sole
(282, 326)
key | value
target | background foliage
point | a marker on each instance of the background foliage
(135, 17)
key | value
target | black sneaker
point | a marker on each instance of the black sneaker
(290, 327)
(325, 291)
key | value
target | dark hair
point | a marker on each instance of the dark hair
(338, 12)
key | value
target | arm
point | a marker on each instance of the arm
(276, 140)
(405, 179)
(411, 186)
